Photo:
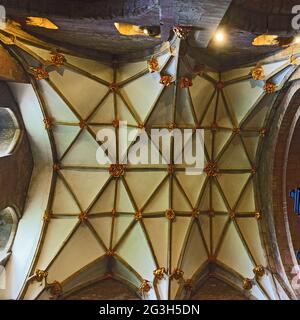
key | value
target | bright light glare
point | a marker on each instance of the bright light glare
(219, 37)
(297, 39)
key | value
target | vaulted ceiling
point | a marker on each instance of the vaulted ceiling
(154, 228)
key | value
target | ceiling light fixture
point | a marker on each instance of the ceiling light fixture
(219, 36)
(297, 39)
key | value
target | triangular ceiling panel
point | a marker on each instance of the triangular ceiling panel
(204, 204)
(235, 156)
(55, 106)
(257, 118)
(180, 201)
(192, 185)
(160, 201)
(83, 93)
(184, 111)
(64, 202)
(149, 86)
(64, 136)
(158, 229)
(135, 249)
(195, 253)
(83, 151)
(128, 70)
(201, 94)
(223, 116)
(220, 140)
(232, 186)
(143, 184)
(179, 234)
(105, 112)
(85, 184)
(241, 97)
(218, 201)
(162, 114)
(123, 201)
(218, 225)
(58, 232)
(121, 224)
(247, 201)
(75, 255)
(105, 202)
(251, 141)
(124, 114)
(233, 254)
(208, 143)
(250, 231)
(102, 226)
(204, 221)
(100, 70)
(207, 118)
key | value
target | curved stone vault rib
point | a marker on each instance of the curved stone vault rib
(163, 226)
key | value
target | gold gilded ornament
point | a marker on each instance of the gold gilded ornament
(159, 273)
(110, 253)
(263, 132)
(48, 122)
(258, 215)
(145, 287)
(138, 216)
(56, 167)
(82, 124)
(166, 80)
(40, 73)
(211, 169)
(247, 284)
(177, 274)
(153, 65)
(185, 82)
(195, 213)
(293, 60)
(232, 215)
(113, 87)
(259, 271)
(258, 73)
(57, 59)
(116, 170)
(83, 216)
(170, 214)
(47, 215)
(40, 275)
(270, 87)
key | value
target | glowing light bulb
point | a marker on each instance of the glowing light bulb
(219, 37)
(297, 39)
